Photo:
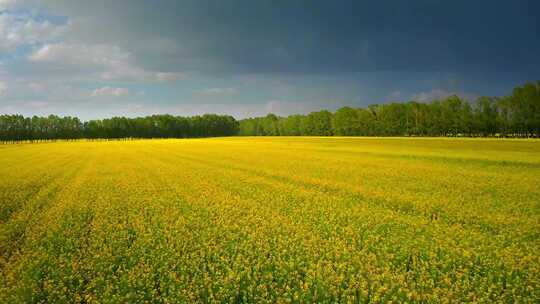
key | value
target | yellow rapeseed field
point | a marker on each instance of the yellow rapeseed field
(266, 220)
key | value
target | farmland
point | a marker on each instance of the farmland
(270, 220)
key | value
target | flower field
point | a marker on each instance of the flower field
(264, 220)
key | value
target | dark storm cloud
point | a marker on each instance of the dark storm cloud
(326, 36)
(296, 54)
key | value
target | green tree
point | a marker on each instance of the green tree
(346, 122)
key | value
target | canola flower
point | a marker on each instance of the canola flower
(265, 220)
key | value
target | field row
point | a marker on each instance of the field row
(270, 220)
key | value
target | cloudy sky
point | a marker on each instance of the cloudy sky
(102, 58)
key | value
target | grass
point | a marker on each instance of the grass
(270, 220)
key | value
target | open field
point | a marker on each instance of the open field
(270, 219)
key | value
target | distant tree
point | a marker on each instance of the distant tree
(318, 123)
(291, 125)
(485, 116)
(269, 125)
(525, 103)
(346, 122)
(515, 115)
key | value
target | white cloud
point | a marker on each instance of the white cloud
(38, 104)
(184, 109)
(76, 54)
(163, 76)
(7, 4)
(432, 95)
(3, 88)
(438, 94)
(393, 96)
(284, 108)
(108, 91)
(107, 61)
(37, 86)
(220, 91)
(238, 110)
(22, 89)
(24, 30)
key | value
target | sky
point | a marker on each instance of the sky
(102, 58)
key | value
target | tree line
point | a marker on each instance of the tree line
(14, 128)
(517, 115)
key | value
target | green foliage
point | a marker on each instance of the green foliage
(318, 123)
(18, 128)
(271, 220)
(346, 122)
(517, 115)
